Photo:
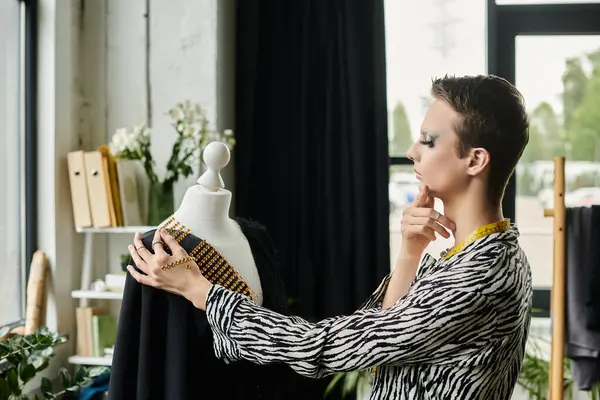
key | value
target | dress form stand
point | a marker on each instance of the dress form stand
(204, 210)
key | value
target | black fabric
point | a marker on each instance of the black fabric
(582, 294)
(164, 348)
(311, 156)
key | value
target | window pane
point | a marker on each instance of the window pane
(10, 283)
(444, 38)
(403, 186)
(562, 100)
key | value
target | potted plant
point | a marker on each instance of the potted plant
(22, 357)
(124, 261)
(193, 134)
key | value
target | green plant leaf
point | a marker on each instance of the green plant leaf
(13, 381)
(333, 383)
(4, 389)
(80, 374)
(5, 347)
(46, 387)
(350, 383)
(97, 371)
(65, 377)
(39, 363)
(26, 371)
(47, 352)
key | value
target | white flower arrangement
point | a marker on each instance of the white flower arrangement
(193, 135)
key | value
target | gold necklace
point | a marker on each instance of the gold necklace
(494, 227)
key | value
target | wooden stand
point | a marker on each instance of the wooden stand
(35, 313)
(557, 308)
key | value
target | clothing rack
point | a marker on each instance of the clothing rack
(557, 307)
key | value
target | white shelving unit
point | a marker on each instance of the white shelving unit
(90, 294)
(103, 361)
(84, 294)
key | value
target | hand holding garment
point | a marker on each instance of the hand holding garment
(169, 267)
(164, 348)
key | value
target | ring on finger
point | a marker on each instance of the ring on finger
(158, 241)
(139, 247)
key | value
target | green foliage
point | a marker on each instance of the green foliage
(535, 374)
(574, 134)
(526, 182)
(125, 258)
(400, 139)
(358, 382)
(546, 135)
(580, 100)
(22, 357)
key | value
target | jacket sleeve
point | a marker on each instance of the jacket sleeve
(376, 298)
(427, 325)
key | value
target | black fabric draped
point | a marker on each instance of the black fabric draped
(582, 341)
(311, 156)
(164, 348)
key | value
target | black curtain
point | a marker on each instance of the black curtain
(311, 156)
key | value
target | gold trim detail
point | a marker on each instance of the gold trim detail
(494, 227)
(213, 265)
(183, 260)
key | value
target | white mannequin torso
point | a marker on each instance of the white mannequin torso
(204, 210)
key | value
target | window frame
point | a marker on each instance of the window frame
(30, 147)
(505, 23)
(28, 45)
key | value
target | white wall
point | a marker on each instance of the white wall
(96, 75)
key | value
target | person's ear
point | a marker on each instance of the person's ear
(478, 160)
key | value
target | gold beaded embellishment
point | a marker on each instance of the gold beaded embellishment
(212, 264)
(183, 260)
(217, 270)
(485, 230)
(175, 229)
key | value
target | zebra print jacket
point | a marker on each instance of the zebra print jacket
(459, 333)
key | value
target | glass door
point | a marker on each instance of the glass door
(551, 52)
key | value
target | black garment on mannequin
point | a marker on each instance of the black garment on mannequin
(164, 348)
(582, 344)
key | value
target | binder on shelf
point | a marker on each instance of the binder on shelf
(128, 190)
(109, 199)
(113, 184)
(80, 201)
(85, 329)
(98, 192)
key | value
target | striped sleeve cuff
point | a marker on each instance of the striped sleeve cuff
(375, 299)
(221, 305)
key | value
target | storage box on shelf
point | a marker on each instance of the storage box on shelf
(85, 294)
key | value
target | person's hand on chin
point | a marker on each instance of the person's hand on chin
(420, 222)
(177, 273)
